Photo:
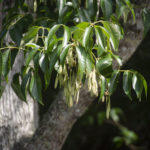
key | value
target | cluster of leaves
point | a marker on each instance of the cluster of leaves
(77, 53)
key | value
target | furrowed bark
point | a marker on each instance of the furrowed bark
(58, 122)
(17, 119)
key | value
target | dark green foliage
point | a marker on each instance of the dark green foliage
(74, 41)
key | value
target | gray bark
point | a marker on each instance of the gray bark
(17, 119)
(58, 122)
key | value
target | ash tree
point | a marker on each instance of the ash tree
(72, 46)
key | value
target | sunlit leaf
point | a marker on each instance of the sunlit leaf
(61, 4)
(30, 56)
(89, 62)
(137, 84)
(51, 33)
(81, 60)
(100, 36)
(145, 85)
(118, 59)
(115, 33)
(32, 45)
(104, 66)
(44, 65)
(102, 86)
(31, 34)
(87, 36)
(127, 83)
(64, 53)
(78, 33)
(66, 37)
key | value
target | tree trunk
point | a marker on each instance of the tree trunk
(19, 120)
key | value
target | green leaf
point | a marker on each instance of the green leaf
(137, 84)
(75, 3)
(100, 37)
(53, 59)
(91, 6)
(104, 66)
(131, 8)
(145, 85)
(31, 34)
(66, 37)
(115, 33)
(113, 82)
(32, 45)
(43, 62)
(53, 43)
(90, 64)
(64, 53)
(118, 59)
(146, 20)
(13, 54)
(51, 33)
(30, 56)
(5, 62)
(83, 15)
(102, 86)
(61, 4)
(25, 83)
(66, 15)
(16, 86)
(127, 83)
(87, 36)
(107, 8)
(78, 33)
(35, 88)
(15, 35)
(44, 65)
(81, 60)
(122, 10)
